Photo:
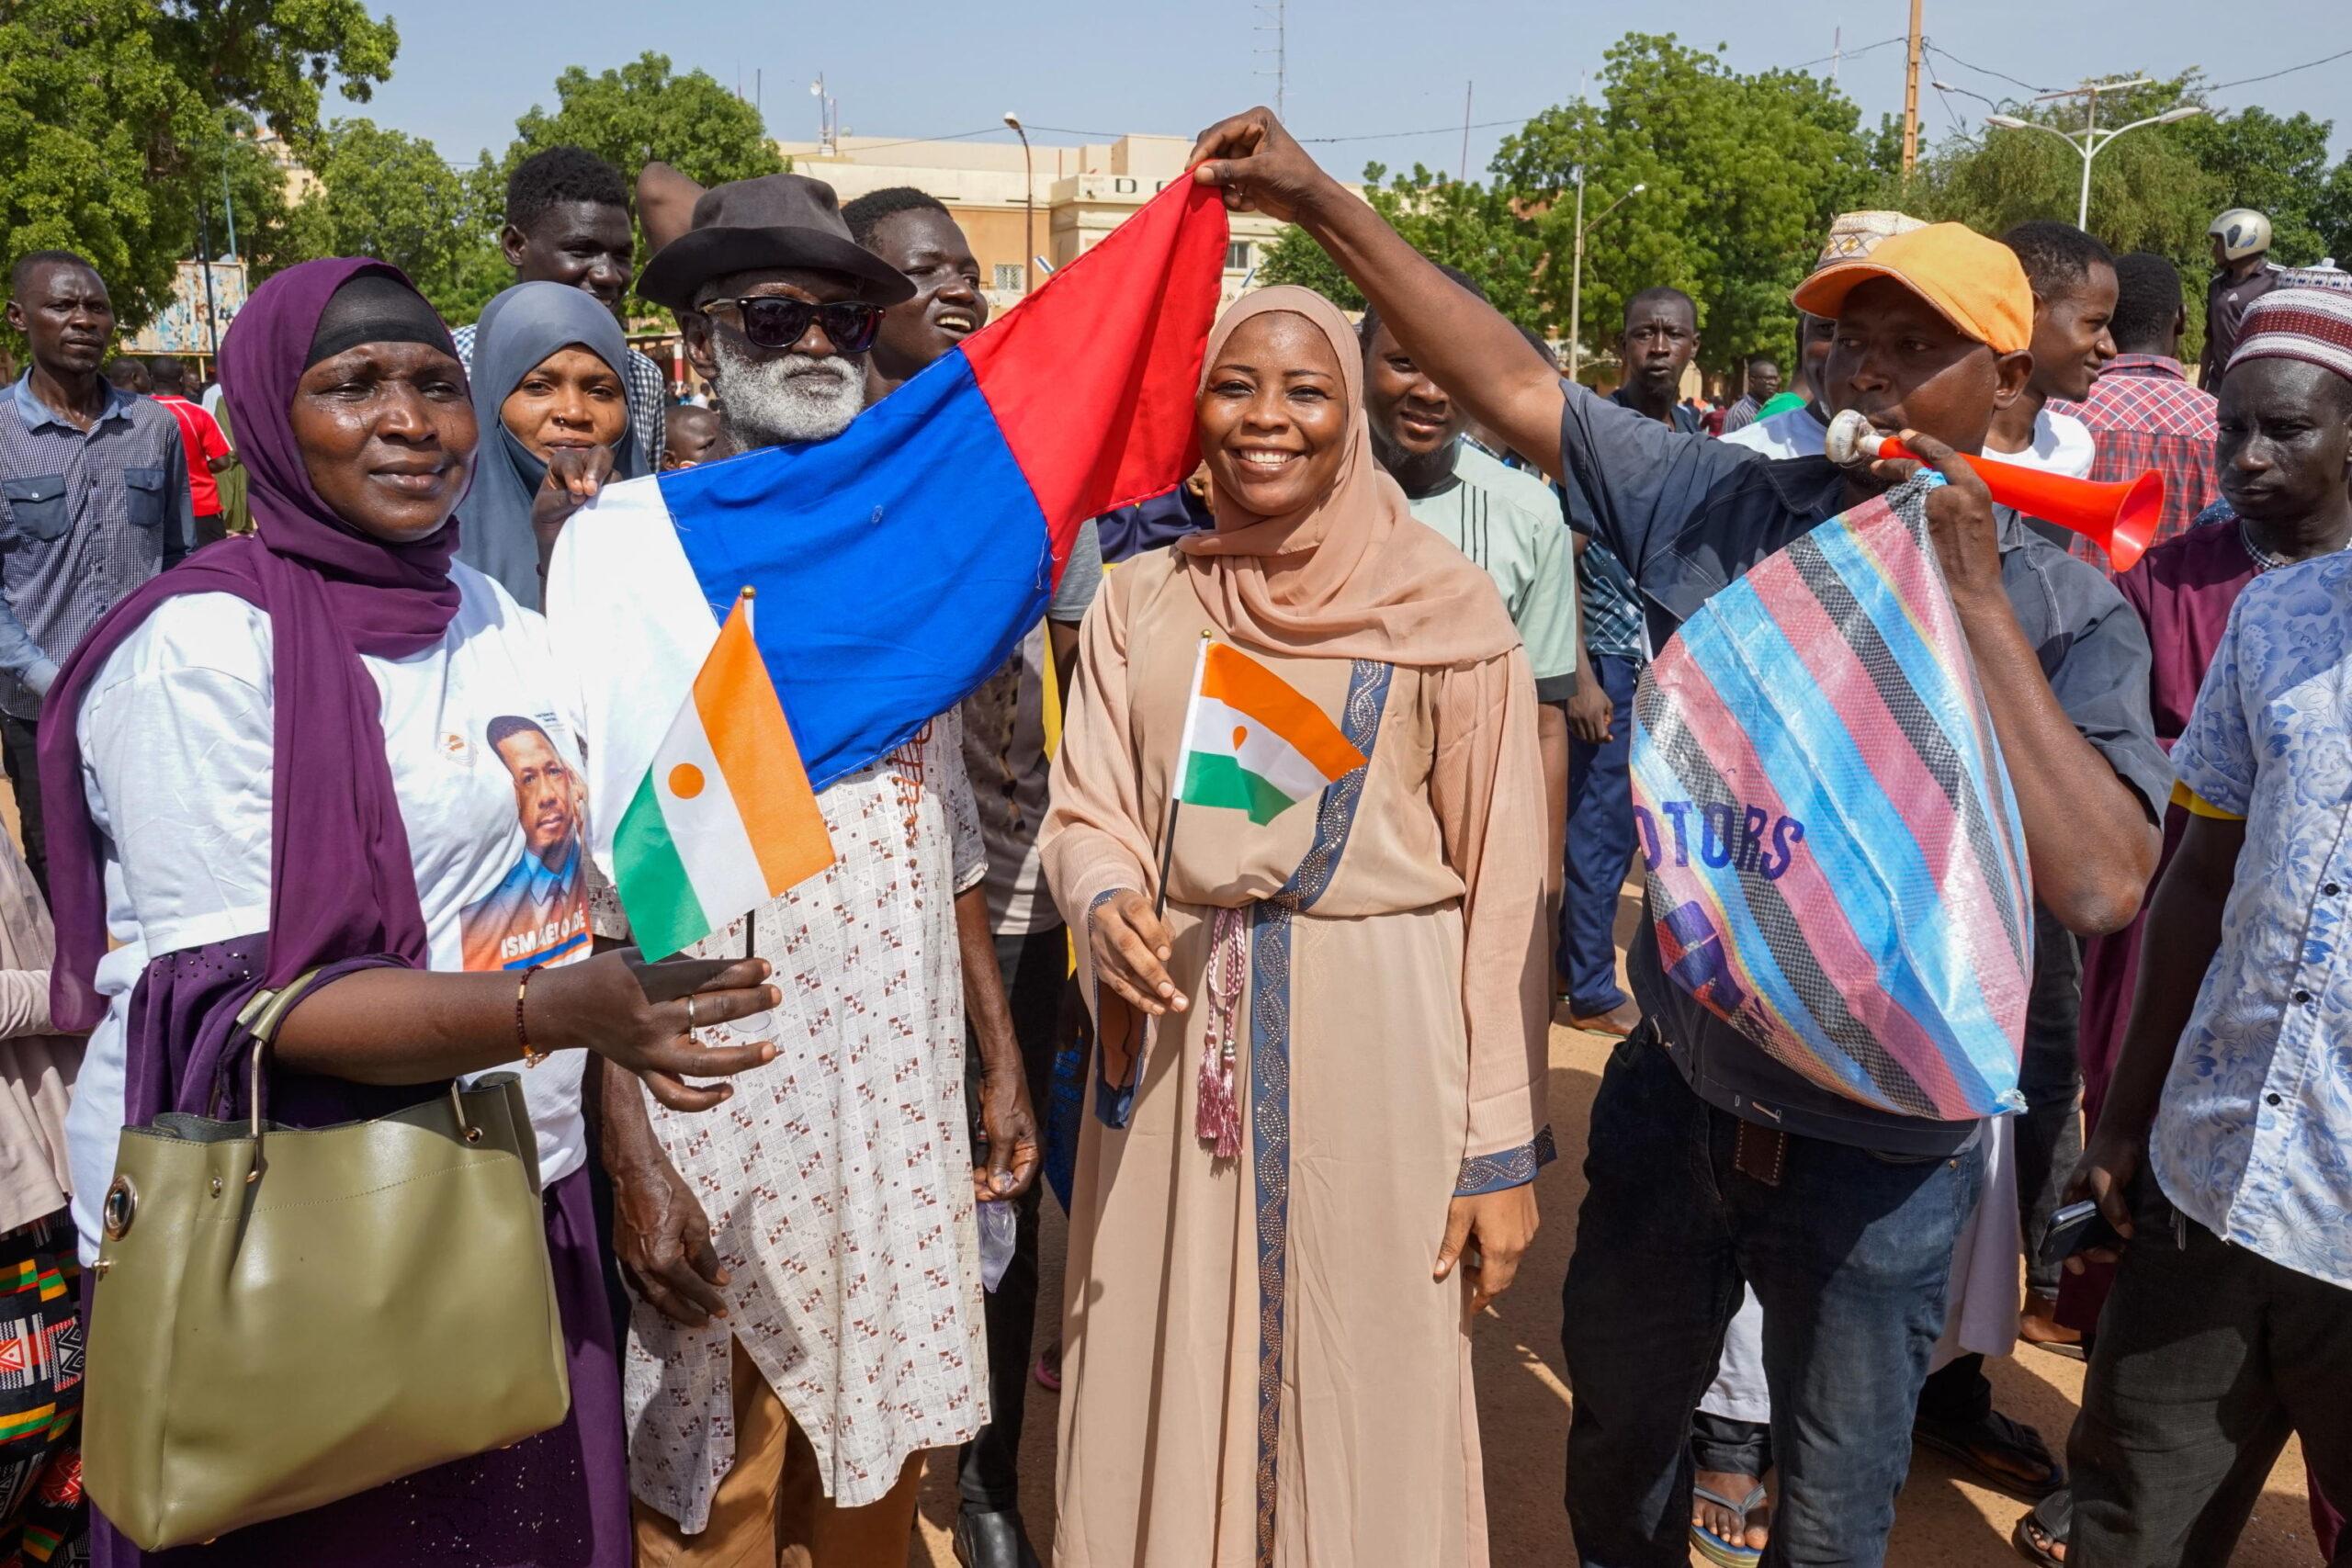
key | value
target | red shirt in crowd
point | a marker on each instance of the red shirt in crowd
(201, 439)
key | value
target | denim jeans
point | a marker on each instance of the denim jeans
(1600, 846)
(988, 1470)
(1850, 1256)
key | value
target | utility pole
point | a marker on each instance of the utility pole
(1463, 173)
(1911, 98)
(1836, 53)
(204, 264)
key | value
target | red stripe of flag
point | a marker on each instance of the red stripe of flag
(1060, 369)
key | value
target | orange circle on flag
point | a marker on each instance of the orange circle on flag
(1240, 733)
(685, 781)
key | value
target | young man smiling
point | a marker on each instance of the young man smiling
(1710, 1162)
(1505, 521)
(914, 231)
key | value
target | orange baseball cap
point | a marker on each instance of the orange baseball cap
(1974, 283)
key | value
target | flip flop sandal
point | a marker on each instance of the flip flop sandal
(1715, 1548)
(1961, 1444)
(1049, 1378)
(2053, 1520)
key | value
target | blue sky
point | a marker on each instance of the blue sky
(1357, 68)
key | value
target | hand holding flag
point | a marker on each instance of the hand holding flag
(724, 818)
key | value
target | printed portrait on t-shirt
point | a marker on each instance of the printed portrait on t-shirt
(538, 912)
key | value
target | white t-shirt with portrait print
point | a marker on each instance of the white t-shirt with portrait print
(176, 762)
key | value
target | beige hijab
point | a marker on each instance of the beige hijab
(1353, 575)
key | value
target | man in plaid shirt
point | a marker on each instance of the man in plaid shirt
(2141, 408)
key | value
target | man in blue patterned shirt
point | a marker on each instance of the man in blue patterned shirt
(1660, 337)
(2230, 1321)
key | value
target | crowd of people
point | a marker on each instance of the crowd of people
(291, 739)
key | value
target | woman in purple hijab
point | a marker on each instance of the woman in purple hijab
(327, 746)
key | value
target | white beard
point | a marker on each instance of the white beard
(793, 396)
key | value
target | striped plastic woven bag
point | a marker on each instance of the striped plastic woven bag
(1836, 865)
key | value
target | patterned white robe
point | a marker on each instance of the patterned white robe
(838, 1179)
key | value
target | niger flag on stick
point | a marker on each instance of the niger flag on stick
(1252, 742)
(724, 818)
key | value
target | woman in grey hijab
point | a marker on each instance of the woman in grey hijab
(547, 379)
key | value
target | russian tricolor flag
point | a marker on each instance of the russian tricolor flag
(897, 565)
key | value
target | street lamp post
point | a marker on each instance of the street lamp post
(2094, 140)
(1575, 279)
(1028, 202)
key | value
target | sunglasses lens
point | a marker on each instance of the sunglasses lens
(851, 327)
(775, 322)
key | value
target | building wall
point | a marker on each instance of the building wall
(1081, 194)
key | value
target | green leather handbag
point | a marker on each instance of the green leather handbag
(282, 1318)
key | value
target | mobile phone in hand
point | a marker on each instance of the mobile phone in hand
(2077, 1227)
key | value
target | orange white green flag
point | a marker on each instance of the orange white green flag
(1253, 742)
(724, 818)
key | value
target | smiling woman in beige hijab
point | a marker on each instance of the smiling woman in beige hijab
(1273, 1348)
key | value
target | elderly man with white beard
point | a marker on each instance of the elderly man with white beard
(806, 1315)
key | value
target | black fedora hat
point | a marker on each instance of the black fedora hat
(773, 220)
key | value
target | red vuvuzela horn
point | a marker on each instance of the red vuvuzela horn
(2120, 517)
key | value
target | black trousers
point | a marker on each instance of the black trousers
(2208, 1356)
(2050, 1134)
(20, 752)
(987, 1472)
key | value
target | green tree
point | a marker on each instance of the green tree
(1462, 224)
(116, 114)
(388, 194)
(2155, 189)
(643, 113)
(2276, 166)
(1741, 174)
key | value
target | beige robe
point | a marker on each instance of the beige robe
(1258, 1365)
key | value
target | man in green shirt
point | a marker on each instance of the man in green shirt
(1505, 520)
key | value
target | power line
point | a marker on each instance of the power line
(1981, 71)
(1848, 54)
(1433, 131)
(911, 140)
(2290, 71)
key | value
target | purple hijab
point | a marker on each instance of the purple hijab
(332, 593)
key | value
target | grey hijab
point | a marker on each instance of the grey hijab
(519, 330)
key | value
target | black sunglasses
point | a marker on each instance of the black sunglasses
(775, 320)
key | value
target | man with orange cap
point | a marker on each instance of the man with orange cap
(1711, 1164)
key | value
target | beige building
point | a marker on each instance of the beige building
(1080, 194)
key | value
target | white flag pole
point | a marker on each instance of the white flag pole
(1176, 776)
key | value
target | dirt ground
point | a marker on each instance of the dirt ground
(1945, 1520)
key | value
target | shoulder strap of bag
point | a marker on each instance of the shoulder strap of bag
(261, 1017)
(266, 1009)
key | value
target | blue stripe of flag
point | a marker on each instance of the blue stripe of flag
(912, 563)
